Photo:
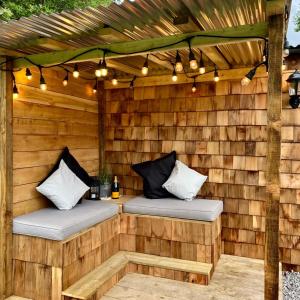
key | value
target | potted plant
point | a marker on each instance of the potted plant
(105, 183)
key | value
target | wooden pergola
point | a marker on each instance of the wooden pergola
(273, 30)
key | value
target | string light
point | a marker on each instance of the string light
(98, 71)
(114, 80)
(201, 65)
(194, 88)
(76, 71)
(104, 70)
(28, 74)
(132, 82)
(15, 89)
(95, 88)
(248, 77)
(216, 75)
(145, 68)
(192, 59)
(178, 63)
(43, 85)
(66, 79)
(174, 76)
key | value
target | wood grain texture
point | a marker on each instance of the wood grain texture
(5, 183)
(43, 124)
(220, 131)
(276, 32)
(43, 268)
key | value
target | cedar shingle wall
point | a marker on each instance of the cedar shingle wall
(44, 122)
(219, 131)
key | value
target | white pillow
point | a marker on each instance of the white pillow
(184, 183)
(63, 187)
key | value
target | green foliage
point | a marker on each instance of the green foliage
(105, 176)
(15, 9)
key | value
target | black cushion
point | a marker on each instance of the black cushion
(74, 166)
(155, 173)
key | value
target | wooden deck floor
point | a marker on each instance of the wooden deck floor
(235, 278)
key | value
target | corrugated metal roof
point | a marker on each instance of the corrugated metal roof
(139, 20)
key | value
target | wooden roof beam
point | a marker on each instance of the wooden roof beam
(216, 57)
(162, 44)
(275, 7)
(123, 67)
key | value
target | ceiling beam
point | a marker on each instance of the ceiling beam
(123, 67)
(52, 44)
(275, 7)
(161, 44)
(216, 57)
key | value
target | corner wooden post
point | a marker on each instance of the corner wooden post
(276, 29)
(101, 95)
(5, 183)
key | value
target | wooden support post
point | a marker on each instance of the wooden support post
(101, 119)
(5, 184)
(276, 29)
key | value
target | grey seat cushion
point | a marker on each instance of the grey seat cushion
(54, 224)
(198, 209)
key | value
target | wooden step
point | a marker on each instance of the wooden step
(96, 283)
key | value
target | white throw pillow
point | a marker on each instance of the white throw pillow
(184, 183)
(63, 187)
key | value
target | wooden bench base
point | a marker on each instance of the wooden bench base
(95, 284)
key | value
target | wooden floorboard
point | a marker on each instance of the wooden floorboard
(234, 278)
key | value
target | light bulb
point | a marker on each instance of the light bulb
(245, 81)
(193, 61)
(114, 81)
(201, 65)
(178, 63)
(103, 68)
(76, 72)
(98, 72)
(194, 89)
(43, 85)
(174, 76)
(65, 81)
(28, 74)
(216, 75)
(15, 92)
(202, 70)
(145, 70)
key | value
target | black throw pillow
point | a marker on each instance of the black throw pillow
(155, 173)
(73, 165)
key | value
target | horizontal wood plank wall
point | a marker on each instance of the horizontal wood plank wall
(44, 123)
(219, 131)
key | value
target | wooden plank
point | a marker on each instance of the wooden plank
(101, 123)
(123, 67)
(276, 29)
(275, 7)
(251, 32)
(5, 184)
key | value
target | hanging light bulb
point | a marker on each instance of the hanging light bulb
(145, 68)
(76, 71)
(194, 88)
(248, 77)
(28, 74)
(43, 85)
(66, 79)
(174, 76)
(15, 92)
(95, 88)
(265, 52)
(114, 81)
(104, 70)
(192, 60)
(178, 63)
(216, 75)
(201, 65)
(98, 71)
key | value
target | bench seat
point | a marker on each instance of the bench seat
(198, 209)
(54, 224)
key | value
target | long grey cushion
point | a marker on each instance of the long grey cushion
(198, 209)
(54, 224)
